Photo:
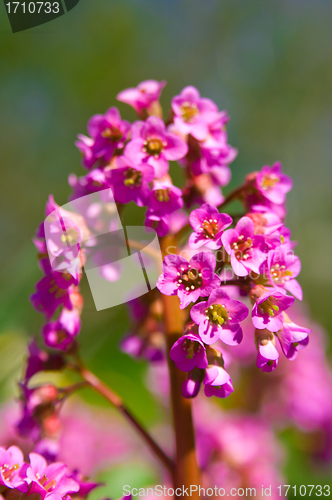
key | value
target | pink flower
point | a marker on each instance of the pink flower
(64, 238)
(12, 469)
(109, 132)
(49, 481)
(268, 308)
(152, 144)
(165, 198)
(157, 221)
(91, 183)
(192, 384)
(188, 280)
(267, 356)
(143, 95)
(49, 296)
(283, 267)
(217, 382)
(60, 334)
(189, 352)
(244, 247)
(193, 114)
(208, 226)
(130, 181)
(85, 145)
(292, 337)
(273, 184)
(219, 318)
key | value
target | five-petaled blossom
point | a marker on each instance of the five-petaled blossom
(11, 468)
(219, 318)
(245, 248)
(52, 481)
(193, 113)
(217, 382)
(208, 225)
(283, 268)
(268, 308)
(165, 198)
(273, 184)
(108, 133)
(188, 352)
(143, 96)
(130, 181)
(151, 143)
(189, 280)
(292, 337)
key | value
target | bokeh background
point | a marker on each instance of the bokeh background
(267, 63)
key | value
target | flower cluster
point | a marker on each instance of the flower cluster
(51, 482)
(259, 254)
(133, 161)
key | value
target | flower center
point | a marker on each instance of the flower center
(7, 471)
(280, 274)
(210, 228)
(241, 247)
(269, 306)
(66, 276)
(162, 195)
(132, 177)
(189, 111)
(191, 347)
(71, 236)
(112, 133)
(59, 292)
(45, 482)
(61, 335)
(269, 181)
(191, 279)
(217, 314)
(153, 146)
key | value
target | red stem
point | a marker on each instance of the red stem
(117, 402)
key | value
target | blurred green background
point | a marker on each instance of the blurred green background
(268, 63)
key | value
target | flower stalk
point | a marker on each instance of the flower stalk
(186, 467)
(117, 402)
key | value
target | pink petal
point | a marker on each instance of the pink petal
(245, 227)
(231, 334)
(269, 351)
(294, 288)
(209, 333)
(176, 147)
(237, 266)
